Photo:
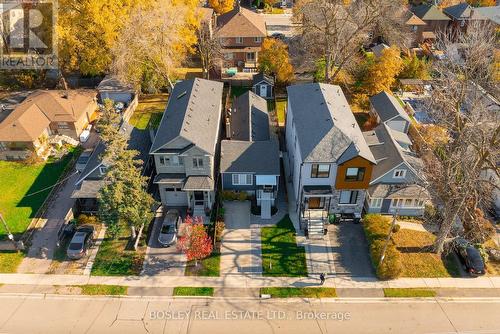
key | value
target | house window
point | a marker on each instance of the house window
(163, 160)
(320, 171)
(408, 202)
(239, 40)
(102, 170)
(62, 125)
(355, 174)
(414, 28)
(399, 173)
(198, 163)
(376, 202)
(419, 203)
(228, 56)
(242, 179)
(397, 202)
(257, 39)
(348, 197)
(3, 147)
(250, 56)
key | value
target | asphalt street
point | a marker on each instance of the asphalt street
(65, 314)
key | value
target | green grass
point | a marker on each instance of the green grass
(97, 289)
(299, 292)
(280, 111)
(408, 293)
(280, 254)
(17, 180)
(149, 111)
(10, 260)
(209, 266)
(114, 259)
(237, 90)
(190, 291)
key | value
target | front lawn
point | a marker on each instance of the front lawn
(10, 260)
(149, 111)
(408, 293)
(115, 258)
(98, 289)
(280, 254)
(17, 180)
(299, 292)
(189, 291)
(209, 266)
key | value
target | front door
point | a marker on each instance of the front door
(263, 90)
(199, 198)
(314, 203)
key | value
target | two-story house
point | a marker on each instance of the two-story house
(241, 33)
(186, 145)
(330, 164)
(461, 15)
(385, 108)
(397, 184)
(250, 160)
(435, 22)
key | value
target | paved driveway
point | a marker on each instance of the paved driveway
(161, 260)
(350, 250)
(240, 248)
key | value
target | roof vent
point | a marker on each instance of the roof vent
(181, 94)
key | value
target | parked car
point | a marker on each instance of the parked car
(80, 243)
(469, 256)
(168, 231)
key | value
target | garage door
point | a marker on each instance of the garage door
(175, 197)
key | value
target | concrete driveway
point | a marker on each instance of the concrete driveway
(350, 250)
(240, 247)
(159, 260)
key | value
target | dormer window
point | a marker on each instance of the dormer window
(103, 169)
(399, 174)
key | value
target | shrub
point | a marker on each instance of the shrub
(219, 229)
(391, 266)
(376, 226)
(87, 220)
(242, 196)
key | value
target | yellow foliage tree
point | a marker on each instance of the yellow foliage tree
(382, 73)
(274, 59)
(221, 6)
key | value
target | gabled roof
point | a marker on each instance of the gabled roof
(429, 13)
(259, 77)
(29, 119)
(388, 153)
(241, 22)
(492, 13)
(414, 20)
(326, 128)
(463, 11)
(260, 157)
(249, 118)
(112, 83)
(193, 112)
(387, 107)
(379, 48)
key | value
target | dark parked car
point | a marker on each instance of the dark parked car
(168, 231)
(469, 256)
(81, 242)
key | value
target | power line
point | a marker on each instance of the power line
(52, 186)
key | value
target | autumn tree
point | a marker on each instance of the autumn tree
(221, 6)
(482, 3)
(459, 104)
(415, 68)
(155, 41)
(334, 30)
(208, 48)
(195, 242)
(273, 59)
(382, 74)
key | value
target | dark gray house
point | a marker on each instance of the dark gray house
(263, 85)
(387, 109)
(397, 181)
(250, 160)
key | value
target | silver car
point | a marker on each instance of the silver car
(80, 243)
(168, 231)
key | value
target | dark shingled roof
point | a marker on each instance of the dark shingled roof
(429, 13)
(111, 83)
(259, 77)
(463, 11)
(387, 106)
(326, 128)
(193, 112)
(249, 118)
(260, 157)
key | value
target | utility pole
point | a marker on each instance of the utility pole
(388, 237)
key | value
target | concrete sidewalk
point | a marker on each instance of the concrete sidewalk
(247, 281)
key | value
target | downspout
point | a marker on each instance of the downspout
(299, 201)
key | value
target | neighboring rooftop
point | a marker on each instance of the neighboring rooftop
(261, 76)
(326, 128)
(414, 20)
(9, 101)
(249, 118)
(33, 115)
(429, 13)
(241, 22)
(261, 157)
(193, 112)
(379, 48)
(463, 11)
(387, 106)
(111, 83)
(492, 13)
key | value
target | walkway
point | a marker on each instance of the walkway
(41, 252)
(240, 247)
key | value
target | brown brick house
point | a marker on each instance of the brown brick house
(27, 127)
(241, 33)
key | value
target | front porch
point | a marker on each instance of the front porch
(315, 209)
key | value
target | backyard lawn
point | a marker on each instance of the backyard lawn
(17, 180)
(280, 254)
(114, 257)
(149, 111)
(280, 111)
(237, 90)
